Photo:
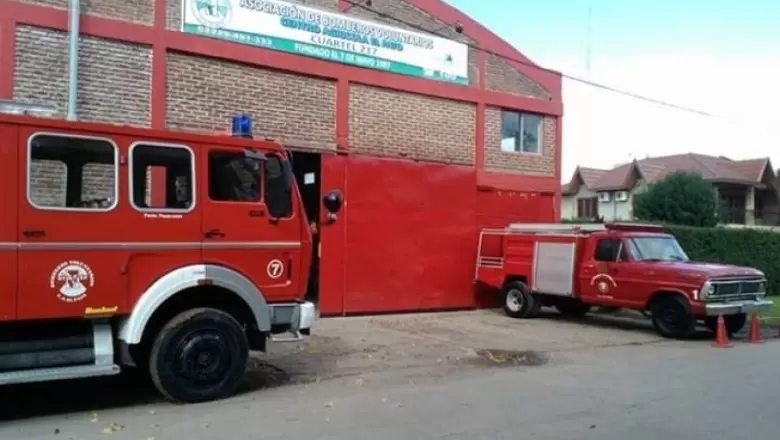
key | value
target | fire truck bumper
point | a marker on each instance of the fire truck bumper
(296, 318)
(736, 307)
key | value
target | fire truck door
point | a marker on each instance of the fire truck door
(601, 274)
(9, 184)
(249, 219)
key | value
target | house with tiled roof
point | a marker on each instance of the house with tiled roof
(746, 188)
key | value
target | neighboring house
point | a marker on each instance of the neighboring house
(746, 188)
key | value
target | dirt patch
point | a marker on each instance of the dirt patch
(510, 358)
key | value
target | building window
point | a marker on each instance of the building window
(162, 177)
(588, 207)
(521, 132)
(72, 173)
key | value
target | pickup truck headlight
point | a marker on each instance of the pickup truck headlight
(762, 286)
(707, 289)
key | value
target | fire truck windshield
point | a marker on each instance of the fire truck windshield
(656, 249)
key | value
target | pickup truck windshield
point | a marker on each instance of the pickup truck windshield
(656, 249)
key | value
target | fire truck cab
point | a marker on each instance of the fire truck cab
(574, 267)
(168, 252)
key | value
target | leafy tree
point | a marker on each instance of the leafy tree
(681, 199)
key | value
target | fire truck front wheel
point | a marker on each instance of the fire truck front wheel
(199, 355)
(519, 302)
(672, 318)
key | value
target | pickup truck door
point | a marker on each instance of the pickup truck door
(604, 275)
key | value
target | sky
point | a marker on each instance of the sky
(720, 57)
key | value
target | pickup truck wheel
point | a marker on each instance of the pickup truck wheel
(518, 301)
(199, 355)
(734, 323)
(672, 317)
(573, 308)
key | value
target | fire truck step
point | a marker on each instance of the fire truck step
(49, 374)
(287, 337)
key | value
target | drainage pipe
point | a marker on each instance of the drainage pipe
(74, 13)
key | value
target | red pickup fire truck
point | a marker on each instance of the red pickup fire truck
(574, 267)
(173, 253)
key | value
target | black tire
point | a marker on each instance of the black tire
(734, 323)
(672, 317)
(519, 302)
(573, 308)
(199, 355)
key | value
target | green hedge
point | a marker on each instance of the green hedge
(744, 247)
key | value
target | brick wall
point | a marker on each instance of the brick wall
(202, 94)
(114, 78)
(48, 182)
(383, 122)
(497, 160)
(137, 11)
(501, 77)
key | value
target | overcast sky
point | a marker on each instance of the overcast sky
(722, 57)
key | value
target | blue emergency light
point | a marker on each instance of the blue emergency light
(241, 126)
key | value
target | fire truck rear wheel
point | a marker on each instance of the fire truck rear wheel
(672, 318)
(199, 355)
(519, 302)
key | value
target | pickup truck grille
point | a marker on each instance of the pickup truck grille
(737, 287)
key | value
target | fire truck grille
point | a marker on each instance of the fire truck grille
(733, 288)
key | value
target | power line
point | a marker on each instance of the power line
(366, 7)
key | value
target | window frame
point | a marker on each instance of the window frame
(130, 181)
(519, 145)
(28, 166)
(217, 149)
(284, 163)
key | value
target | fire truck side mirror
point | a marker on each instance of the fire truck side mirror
(333, 201)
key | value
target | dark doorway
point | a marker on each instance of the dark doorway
(307, 169)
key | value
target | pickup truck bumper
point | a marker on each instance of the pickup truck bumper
(736, 307)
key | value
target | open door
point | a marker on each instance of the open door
(9, 182)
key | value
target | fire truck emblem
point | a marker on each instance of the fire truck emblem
(72, 279)
(275, 269)
(603, 282)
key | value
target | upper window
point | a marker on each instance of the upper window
(521, 132)
(234, 177)
(278, 179)
(72, 173)
(162, 177)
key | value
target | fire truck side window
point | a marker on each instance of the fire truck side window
(607, 250)
(278, 179)
(162, 177)
(233, 177)
(72, 173)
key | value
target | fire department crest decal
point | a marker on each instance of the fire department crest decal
(72, 279)
(603, 282)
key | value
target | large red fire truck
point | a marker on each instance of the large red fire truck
(169, 252)
(574, 267)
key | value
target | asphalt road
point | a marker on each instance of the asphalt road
(677, 390)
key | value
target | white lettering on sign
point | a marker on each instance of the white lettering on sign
(275, 268)
(74, 278)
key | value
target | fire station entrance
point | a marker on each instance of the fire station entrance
(307, 168)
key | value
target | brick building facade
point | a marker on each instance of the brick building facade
(136, 68)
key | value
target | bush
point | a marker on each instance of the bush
(744, 247)
(680, 198)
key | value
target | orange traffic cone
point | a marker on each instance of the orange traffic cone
(721, 335)
(754, 337)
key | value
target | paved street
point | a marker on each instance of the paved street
(569, 380)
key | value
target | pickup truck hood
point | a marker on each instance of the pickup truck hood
(709, 270)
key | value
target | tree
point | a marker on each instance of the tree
(681, 198)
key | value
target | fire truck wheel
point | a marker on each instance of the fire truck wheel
(199, 355)
(518, 300)
(734, 323)
(672, 318)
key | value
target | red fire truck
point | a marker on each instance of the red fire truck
(169, 252)
(574, 267)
